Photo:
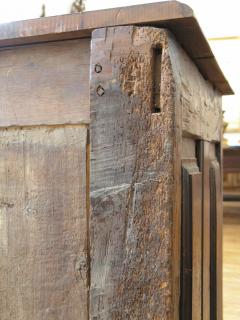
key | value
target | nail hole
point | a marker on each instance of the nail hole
(100, 91)
(98, 68)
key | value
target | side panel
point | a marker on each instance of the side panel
(199, 101)
(44, 188)
(201, 125)
(132, 185)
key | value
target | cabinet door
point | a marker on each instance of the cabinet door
(210, 163)
(201, 244)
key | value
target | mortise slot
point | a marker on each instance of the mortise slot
(156, 72)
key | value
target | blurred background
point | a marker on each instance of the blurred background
(220, 23)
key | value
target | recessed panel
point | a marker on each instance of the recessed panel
(43, 224)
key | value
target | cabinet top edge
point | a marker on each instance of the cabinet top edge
(173, 15)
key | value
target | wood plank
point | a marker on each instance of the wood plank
(199, 101)
(191, 258)
(204, 161)
(132, 177)
(43, 223)
(196, 183)
(216, 241)
(45, 84)
(177, 210)
(176, 16)
(186, 249)
(81, 25)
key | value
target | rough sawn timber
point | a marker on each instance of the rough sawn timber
(45, 84)
(43, 223)
(132, 177)
(199, 102)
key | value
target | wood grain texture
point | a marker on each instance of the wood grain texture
(216, 240)
(127, 265)
(81, 25)
(201, 158)
(176, 16)
(132, 177)
(196, 184)
(43, 224)
(204, 160)
(201, 122)
(191, 257)
(45, 84)
(200, 102)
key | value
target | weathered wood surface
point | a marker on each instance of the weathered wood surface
(43, 224)
(81, 25)
(196, 185)
(200, 103)
(150, 106)
(45, 84)
(204, 164)
(216, 309)
(176, 16)
(191, 234)
(199, 106)
(204, 237)
(132, 178)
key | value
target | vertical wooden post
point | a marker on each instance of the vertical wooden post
(204, 150)
(191, 234)
(132, 184)
(216, 236)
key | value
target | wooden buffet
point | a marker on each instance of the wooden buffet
(110, 167)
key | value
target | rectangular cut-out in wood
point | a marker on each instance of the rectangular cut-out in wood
(110, 167)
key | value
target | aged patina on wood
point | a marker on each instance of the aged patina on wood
(110, 166)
